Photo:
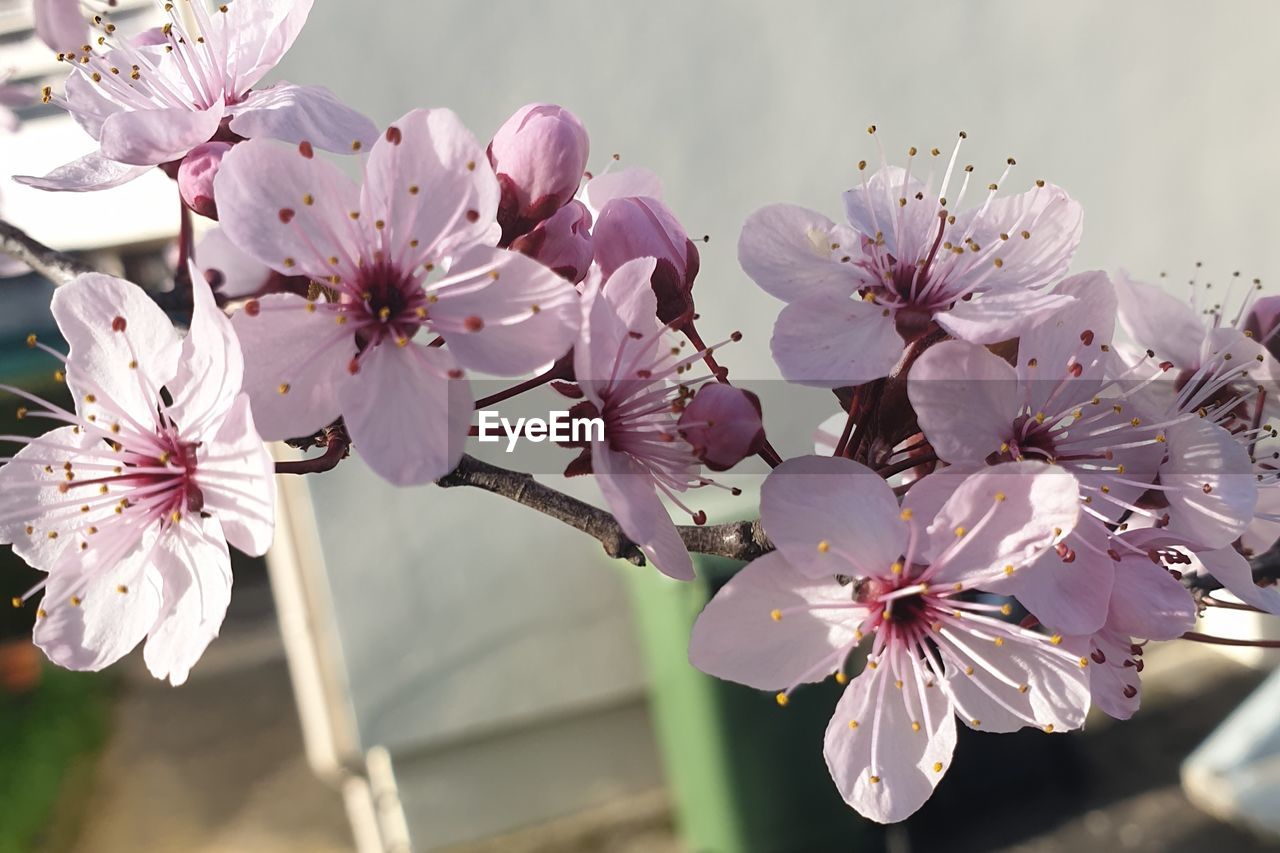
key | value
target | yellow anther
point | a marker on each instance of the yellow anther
(853, 724)
(968, 670)
(1000, 497)
(1084, 662)
(1006, 609)
(175, 516)
(905, 515)
(841, 678)
(1008, 570)
(16, 601)
(824, 546)
(999, 641)
(775, 615)
(283, 388)
(1004, 447)
(1049, 728)
(1023, 688)
(76, 600)
(874, 780)
(1040, 416)
(308, 199)
(960, 532)
(975, 723)
(1056, 639)
(782, 699)
(857, 636)
(122, 589)
(898, 683)
(896, 568)
(937, 767)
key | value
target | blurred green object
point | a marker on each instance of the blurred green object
(50, 737)
(745, 775)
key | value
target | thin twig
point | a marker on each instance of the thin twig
(739, 540)
(59, 267)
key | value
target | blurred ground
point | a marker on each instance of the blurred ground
(218, 766)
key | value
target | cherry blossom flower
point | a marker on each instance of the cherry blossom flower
(377, 253)
(148, 104)
(857, 294)
(632, 376)
(1064, 403)
(129, 505)
(539, 156)
(851, 564)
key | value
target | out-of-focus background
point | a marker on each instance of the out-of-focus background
(443, 669)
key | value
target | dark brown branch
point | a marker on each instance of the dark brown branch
(58, 267)
(337, 445)
(739, 540)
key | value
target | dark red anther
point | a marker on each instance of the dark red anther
(1166, 366)
(1098, 656)
(1130, 691)
(394, 136)
(253, 308)
(119, 324)
(1113, 554)
(473, 216)
(473, 323)
(1075, 369)
(1206, 488)
(700, 517)
(195, 497)
(1065, 553)
(305, 149)
(353, 366)
(1086, 337)
(286, 215)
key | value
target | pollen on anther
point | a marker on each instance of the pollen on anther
(1049, 728)
(999, 641)
(874, 780)
(775, 615)
(905, 515)
(76, 601)
(915, 725)
(283, 388)
(937, 767)
(896, 568)
(960, 532)
(853, 724)
(841, 678)
(782, 699)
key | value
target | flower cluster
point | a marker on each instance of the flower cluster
(1031, 474)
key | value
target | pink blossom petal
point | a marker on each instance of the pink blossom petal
(1052, 219)
(801, 497)
(1148, 602)
(1116, 688)
(928, 495)
(211, 369)
(794, 253)
(259, 34)
(986, 682)
(304, 353)
(290, 209)
(407, 417)
(1208, 482)
(85, 101)
(29, 497)
(505, 314)
(235, 273)
(106, 624)
(966, 398)
(1264, 530)
(1006, 515)
(831, 341)
(238, 480)
(738, 638)
(617, 323)
(150, 137)
(631, 182)
(117, 334)
(61, 24)
(1070, 591)
(887, 747)
(875, 209)
(1154, 318)
(1233, 571)
(295, 114)
(196, 567)
(995, 317)
(89, 173)
(631, 495)
(426, 178)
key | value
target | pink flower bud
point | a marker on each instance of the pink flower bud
(539, 155)
(642, 227)
(196, 174)
(723, 424)
(562, 242)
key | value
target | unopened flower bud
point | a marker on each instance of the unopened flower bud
(640, 227)
(723, 424)
(539, 156)
(196, 174)
(562, 242)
